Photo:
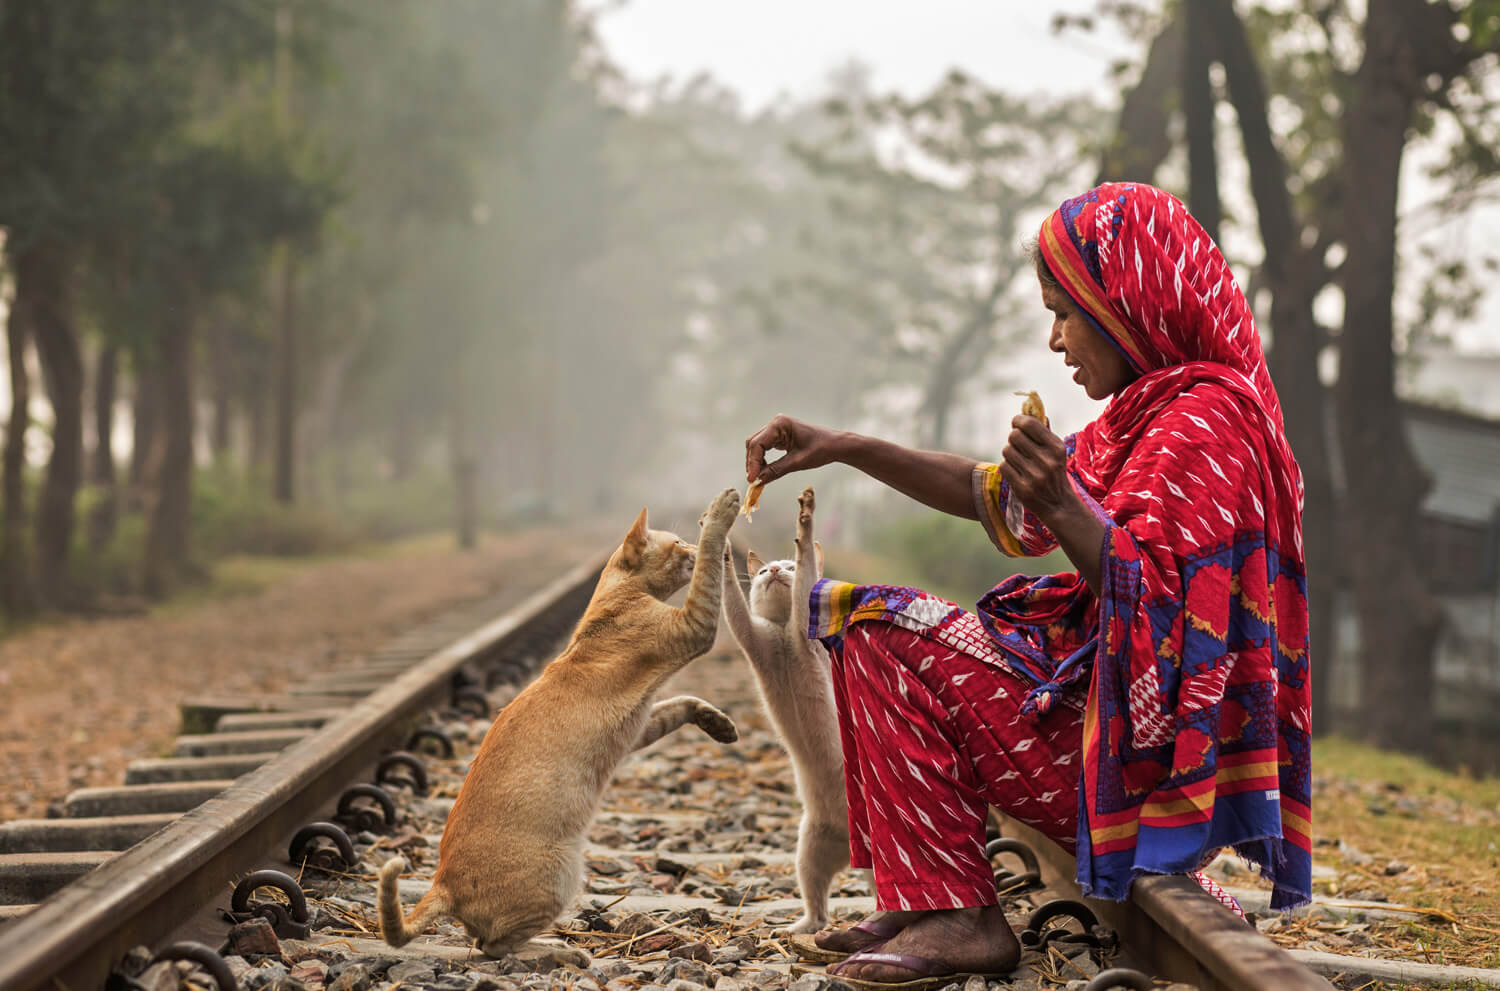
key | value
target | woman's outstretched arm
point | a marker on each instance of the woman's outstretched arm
(933, 478)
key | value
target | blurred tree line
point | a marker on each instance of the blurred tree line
(359, 266)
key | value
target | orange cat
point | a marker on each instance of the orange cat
(511, 858)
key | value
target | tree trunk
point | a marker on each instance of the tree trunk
(403, 449)
(321, 434)
(1198, 111)
(286, 377)
(171, 512)
(221, 368)
(1296, 337)
(257, 415)
(146, 418)
(1399, 620)
(43, 271)
(1141, 143)
(106, 511)
(465, 469)
(19, 593)
(959, 359)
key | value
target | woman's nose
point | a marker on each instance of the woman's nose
(1054, 339)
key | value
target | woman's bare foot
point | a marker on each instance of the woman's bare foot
(967, 940)
(881, 926)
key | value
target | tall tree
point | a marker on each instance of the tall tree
(106, 511)
(18, 594)
(1198, 105)
(1412, 50)
(1293, 274)
(53, 74)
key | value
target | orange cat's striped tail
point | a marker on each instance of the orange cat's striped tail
(396, 930)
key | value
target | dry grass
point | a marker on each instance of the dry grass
(1391, 810)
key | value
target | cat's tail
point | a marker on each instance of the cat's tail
(396, 930)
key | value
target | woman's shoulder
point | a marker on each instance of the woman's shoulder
(1202, 405)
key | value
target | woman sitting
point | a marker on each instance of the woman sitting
(1143, 711)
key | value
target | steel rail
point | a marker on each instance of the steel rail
(75, 937)
(1173, 929)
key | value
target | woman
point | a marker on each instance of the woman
(1144, 711)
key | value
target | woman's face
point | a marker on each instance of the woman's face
(1099, 366)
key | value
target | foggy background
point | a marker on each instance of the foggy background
(290, 276)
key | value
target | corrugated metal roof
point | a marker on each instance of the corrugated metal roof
(1462, 453)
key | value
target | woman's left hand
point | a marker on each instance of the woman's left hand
(1036, 466)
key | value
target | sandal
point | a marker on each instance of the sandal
(806, 946)
(930, 973)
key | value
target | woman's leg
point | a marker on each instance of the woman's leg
(933, 736)
(879, 925)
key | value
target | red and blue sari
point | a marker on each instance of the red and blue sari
(1194, 657)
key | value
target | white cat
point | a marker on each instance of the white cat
(797, 687)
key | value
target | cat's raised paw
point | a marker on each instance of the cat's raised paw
(724, 507)
(717, 725)
(806, 504)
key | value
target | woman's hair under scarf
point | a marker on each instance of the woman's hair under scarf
(1196, 734)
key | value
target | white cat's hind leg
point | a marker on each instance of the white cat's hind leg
(822, 851)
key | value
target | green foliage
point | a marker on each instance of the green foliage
(114, 569)
(228, 519)
(422, 503)
(232, 518)
(954, 558)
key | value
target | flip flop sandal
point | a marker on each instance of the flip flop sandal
(931, 974)
(807, 948)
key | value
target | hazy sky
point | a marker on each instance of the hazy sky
(764, 48)
(767, 47)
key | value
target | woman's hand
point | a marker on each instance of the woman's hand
(1036, 466)
(806, 445)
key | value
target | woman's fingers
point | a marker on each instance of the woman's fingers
(1031, 427)
(1035, 461)
(771, 437)
(781, 434)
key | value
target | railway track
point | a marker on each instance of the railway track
(148, 863)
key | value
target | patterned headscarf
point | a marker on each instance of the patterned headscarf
(1197, 725)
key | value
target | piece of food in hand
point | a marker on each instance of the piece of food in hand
(752, 498)
(1032, 406)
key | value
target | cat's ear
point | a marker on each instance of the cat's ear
(818, 557)
(753, 563)
(634, 547)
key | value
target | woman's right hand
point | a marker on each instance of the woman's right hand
(806, 445)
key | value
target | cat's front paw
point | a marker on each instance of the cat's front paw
(805, 504)
(717, 725)
(722, 510)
